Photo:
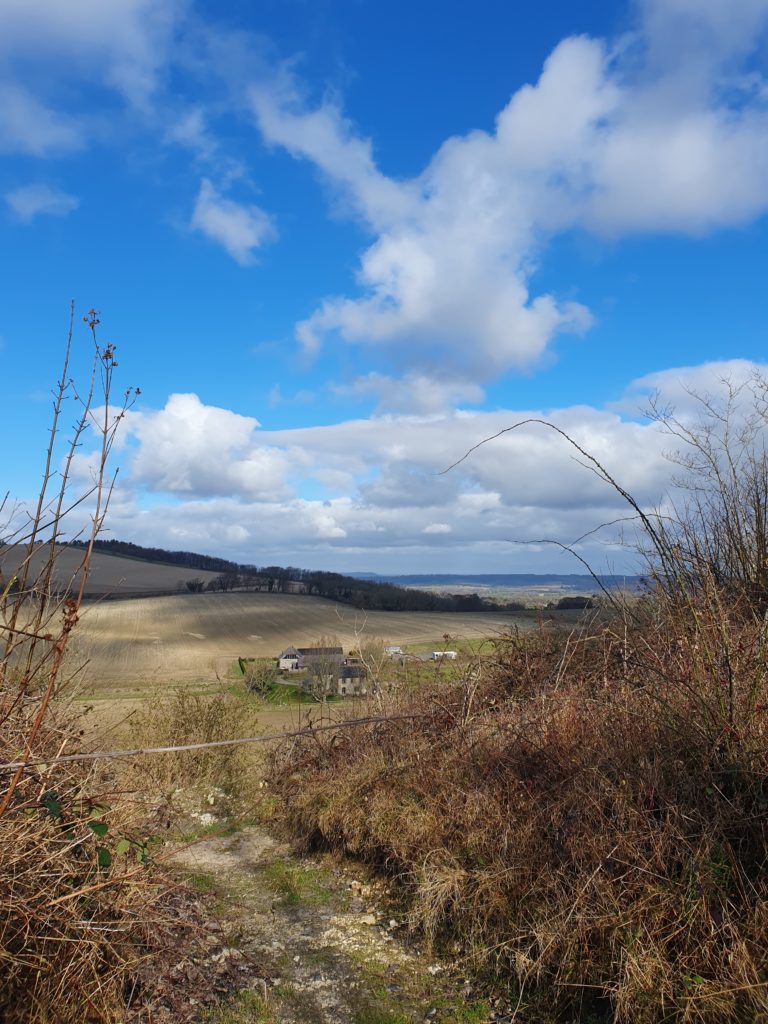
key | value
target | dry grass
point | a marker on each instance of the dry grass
(78, 902)
(588, 820)
(82, 911)
(178, 718)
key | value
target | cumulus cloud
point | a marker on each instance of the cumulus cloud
(683, 387)
(257, 495)
(239, 227)
(189, 448)
(664, 130)
(28, 201)
(252, 493)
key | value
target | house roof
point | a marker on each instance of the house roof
(353, 672)
(309, 651)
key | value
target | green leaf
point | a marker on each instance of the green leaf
(97, 810)
(142, 854)
(103, 856)
(99, 827)
(52, 804)
(123, 847)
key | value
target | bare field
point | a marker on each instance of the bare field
(109, 575)
(188, 638)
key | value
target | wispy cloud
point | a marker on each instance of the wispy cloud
(239, 227)
(125, 43)
(29, 126)
(28, 201)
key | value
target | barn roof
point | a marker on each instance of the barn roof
(290, 652)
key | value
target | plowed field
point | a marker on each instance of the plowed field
(161, 641)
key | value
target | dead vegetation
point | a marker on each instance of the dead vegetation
(83, 912)
(189, 779)
(576, 821)
(586, 818)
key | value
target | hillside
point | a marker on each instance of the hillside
(186, 637)
(110, 576)
(123, 569)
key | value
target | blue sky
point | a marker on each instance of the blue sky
(339, 242)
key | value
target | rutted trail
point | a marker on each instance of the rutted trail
(327, 948)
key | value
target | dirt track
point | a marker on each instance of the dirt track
(330, 945)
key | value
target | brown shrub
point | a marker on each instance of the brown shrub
(80, 908)
(587, 818)
(179, 717)
(78, 902)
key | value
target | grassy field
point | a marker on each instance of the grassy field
(187, 638)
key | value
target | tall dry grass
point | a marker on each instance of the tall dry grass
(587, 817)
(78, 902)
(180, 717)
(578, 832)
(81, 910)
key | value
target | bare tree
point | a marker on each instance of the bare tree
(260, 675)
(323, 666)
(717, 531)
(39, 607)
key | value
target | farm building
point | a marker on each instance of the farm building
(327, 669)
(352, 681)
(392, 649)
(294, 659)
(444, 655)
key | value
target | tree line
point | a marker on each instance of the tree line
(368, 595)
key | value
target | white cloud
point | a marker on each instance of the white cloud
(28, 201)
(679, 386)
(418, 393)
(239, 227)
(189, 448)
(190, 130)
(28, 126)
(665, 131)
(52, 52)
(386, 473)
(125, 42)
(251, 493)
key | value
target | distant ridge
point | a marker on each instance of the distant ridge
(571, 581)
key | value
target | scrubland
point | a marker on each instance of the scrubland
(585, 820)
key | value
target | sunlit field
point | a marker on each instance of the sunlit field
(187, 638)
